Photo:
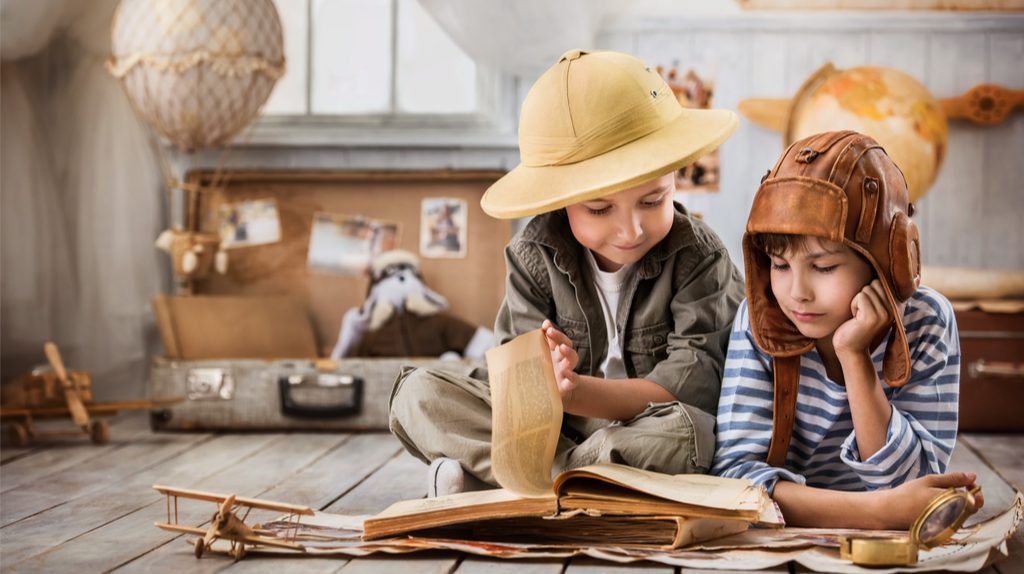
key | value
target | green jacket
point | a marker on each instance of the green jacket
(679, 304)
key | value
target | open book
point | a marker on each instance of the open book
(601, 503)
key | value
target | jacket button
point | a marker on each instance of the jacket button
(658, 339)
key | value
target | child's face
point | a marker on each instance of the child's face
(621, 228)
(815, 284)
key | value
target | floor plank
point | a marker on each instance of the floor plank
(429, 562)
(1005, 454)
(93, 475)
(594, 566)
(65, 455)
(1004, 451)
(43, 532)
(998, 495)
(153, 550)
(402, 477)
(10, 454)
(105, 518)
(1014, 563)
(486, 565)
(320, 485)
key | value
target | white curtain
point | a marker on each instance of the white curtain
(38, 282)
(85, 198)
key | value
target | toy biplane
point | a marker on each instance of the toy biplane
(60, 394)
(227, 525)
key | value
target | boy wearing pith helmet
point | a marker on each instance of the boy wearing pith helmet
(635, 297)
(843, 373)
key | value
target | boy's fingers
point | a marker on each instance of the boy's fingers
(555, 337)
(877, 297)
(951, 479)
(569, 353)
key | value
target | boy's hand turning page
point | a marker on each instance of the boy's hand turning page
(527, 414)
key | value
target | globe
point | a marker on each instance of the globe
(884, 103)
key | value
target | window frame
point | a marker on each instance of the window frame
(492, 125)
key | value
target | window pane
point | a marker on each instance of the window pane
(351, 56)
(289, 95)
(434, 75)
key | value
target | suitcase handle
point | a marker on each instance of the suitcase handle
(290, 407)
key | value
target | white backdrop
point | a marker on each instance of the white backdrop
(81, 201)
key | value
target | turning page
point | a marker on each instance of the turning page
(526, 414)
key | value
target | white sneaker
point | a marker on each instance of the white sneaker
(446, 476)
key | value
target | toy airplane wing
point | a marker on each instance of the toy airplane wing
(258, 540)
(238, 501)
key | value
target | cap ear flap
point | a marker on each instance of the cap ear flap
(904, 256)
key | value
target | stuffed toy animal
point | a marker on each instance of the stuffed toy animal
(402, 317)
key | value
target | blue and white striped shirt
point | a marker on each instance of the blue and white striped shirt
(823, 451)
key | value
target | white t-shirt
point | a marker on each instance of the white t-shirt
(609, 288)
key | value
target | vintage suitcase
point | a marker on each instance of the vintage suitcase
(235, 373)
(991, 370)
(253, 394)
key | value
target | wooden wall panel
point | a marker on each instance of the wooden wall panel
(971, 217)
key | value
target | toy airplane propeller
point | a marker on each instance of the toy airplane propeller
(60, 394)
(226, 524)
(78, 413)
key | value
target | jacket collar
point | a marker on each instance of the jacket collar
(552, 230)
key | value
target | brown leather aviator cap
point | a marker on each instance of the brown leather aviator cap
(840, 186)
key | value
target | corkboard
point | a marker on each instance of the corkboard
(474, 285)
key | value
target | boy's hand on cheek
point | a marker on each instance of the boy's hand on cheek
(563, 358)
(871, 316)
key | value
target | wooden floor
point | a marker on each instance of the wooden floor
(73, 507)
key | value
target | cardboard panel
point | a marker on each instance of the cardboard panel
(474, 285)
(201, 327)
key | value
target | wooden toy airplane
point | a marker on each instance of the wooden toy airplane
(59, 395)
(226, 525)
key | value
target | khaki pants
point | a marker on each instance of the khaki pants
(436, 413)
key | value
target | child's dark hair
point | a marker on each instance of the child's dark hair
(778, 243)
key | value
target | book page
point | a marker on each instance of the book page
(731, 494)
(526, 414)
(465, 507)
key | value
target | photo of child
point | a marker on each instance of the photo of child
(443, 227)
(694, 90)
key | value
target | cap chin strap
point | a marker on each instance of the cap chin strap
(787, 381)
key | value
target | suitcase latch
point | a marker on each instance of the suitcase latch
(210, 383)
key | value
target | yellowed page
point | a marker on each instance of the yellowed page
(419, 513)
(731, 494)
(526, 414)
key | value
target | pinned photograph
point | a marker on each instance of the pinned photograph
(443, 222)
(248, 223)
(345, 244)
(694, 90)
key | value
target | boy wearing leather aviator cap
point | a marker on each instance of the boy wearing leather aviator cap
(635, 297)
(843, 373)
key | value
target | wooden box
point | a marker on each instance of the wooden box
(991, 370)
